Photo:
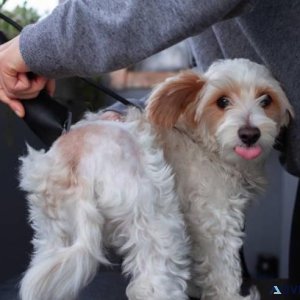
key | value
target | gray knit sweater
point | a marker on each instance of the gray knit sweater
(88, 37)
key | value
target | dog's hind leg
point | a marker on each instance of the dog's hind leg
(67, 228)
(155, 247)
(157, 259)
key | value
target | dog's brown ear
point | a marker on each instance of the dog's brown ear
(288, 117)
(172, 98)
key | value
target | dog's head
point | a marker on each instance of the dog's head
(236, 108)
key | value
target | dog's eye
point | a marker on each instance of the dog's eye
(266, 101)
(223, 102)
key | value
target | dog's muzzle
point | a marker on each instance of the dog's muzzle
(248, 136)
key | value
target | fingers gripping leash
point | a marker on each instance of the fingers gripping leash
(47, 118)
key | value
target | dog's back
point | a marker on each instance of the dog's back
(103, 182)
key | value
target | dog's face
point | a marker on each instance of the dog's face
(236, 108)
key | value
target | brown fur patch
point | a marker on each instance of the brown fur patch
(211, 116)
(72, 146)
(231, 90)
(273, 111)
(172, 98)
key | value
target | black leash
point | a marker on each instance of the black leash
(47, 118)
(109, 92)
(11, 22)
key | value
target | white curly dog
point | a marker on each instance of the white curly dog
(163, 188)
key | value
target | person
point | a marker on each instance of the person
(85, 38)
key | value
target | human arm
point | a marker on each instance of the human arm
(94, 36)
(91, 37)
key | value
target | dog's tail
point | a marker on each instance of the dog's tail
(68, 246)
(60, 273)
(59, 276)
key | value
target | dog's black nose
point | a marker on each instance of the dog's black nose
(249, 135)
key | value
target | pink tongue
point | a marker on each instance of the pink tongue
(249, 152)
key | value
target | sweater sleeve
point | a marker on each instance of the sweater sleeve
(89, 37)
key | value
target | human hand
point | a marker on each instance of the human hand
(14, 82)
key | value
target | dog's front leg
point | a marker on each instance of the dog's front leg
(216, 269)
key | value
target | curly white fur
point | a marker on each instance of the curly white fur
(126, 185)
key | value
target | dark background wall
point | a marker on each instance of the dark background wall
(14, 230)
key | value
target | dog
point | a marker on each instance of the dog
(167, 188)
